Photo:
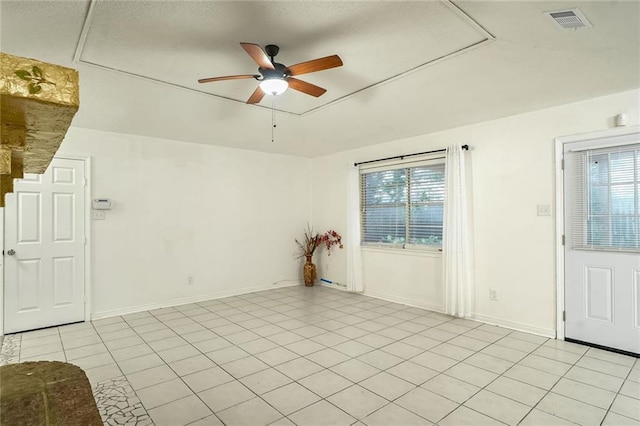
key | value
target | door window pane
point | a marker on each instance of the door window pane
(599, 233)
(599, 200)
(622, 167)
(599, 169)
(622, 199)
(613, 191)
(623, 231)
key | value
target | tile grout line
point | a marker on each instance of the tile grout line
(459, 361)
(167, 364)
(219, 366)
(326, 308)
(584, 354)
(558, 381)
(304, 356)
(296, 380)
(299, 356)
(64, 352)
(484, 387)
(618, 392)
(117, 366)
(406, 360)
(547, 391)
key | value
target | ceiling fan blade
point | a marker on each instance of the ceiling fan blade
(304, 87)
(227, 77)
(258, 55)
(314, 65)
(256, 96)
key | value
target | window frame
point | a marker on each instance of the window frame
(407, 165)
(580, 232)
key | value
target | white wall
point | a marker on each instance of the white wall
(224, 216)
(513, 172)
(228, 217)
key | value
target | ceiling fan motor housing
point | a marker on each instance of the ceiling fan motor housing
(280, 72)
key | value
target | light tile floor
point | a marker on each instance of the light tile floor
(317, 356)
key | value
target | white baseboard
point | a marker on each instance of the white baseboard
(333, 286)
(188, 300)
(527, 328)
(541, 331)
(405, 301)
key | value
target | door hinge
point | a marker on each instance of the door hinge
(85, 240)
(564, 316)
(85, 181)
(562, 164)
(563, 239)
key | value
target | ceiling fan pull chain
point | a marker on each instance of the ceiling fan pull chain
(273, 117)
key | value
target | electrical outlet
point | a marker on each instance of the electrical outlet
(493, 294)
(98, 214)
(190, 280)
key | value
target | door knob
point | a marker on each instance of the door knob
(11, 252)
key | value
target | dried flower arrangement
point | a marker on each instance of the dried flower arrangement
(313, 240)
(329, 239)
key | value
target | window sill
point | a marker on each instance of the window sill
(608, 249)
(426, 252)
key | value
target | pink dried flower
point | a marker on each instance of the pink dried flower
(313, 241)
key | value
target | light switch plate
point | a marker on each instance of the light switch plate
(544, 210)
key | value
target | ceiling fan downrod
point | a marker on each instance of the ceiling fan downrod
(279, 71)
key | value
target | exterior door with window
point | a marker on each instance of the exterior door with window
(602, 242)
(44, 248)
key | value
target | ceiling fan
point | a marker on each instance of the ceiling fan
(274, 78)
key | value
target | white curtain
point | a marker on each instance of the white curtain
(354, 255)
(457, 240)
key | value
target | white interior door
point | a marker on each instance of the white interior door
(44, 248)
(602, 244)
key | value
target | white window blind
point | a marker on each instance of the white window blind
(403, 205)
(603, 198)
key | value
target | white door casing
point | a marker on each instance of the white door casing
(45, 248)
(601, 255)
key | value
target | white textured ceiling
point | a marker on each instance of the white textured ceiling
(139, 62)
(180, 42)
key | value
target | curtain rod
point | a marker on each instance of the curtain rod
(465, 147)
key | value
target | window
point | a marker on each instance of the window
(607, 202)
(403, 206)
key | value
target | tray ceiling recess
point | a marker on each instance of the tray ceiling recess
(177, 43)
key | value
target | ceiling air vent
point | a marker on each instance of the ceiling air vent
(569, 19)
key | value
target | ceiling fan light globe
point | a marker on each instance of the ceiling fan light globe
(274, 86)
